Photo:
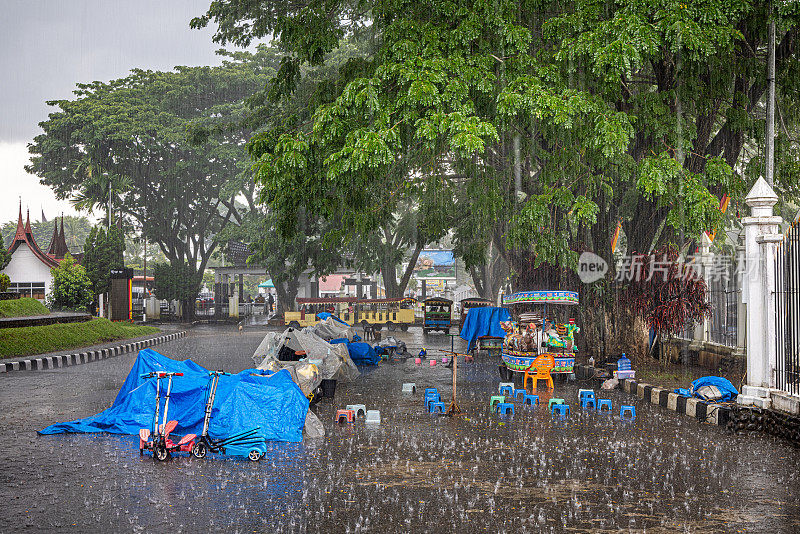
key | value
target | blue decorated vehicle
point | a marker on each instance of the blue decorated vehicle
(438, 314)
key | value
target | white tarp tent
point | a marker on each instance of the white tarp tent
(322, 360)
(330, 328)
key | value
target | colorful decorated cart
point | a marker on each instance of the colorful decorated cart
(540, 327)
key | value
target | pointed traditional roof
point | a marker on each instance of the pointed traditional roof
(58, 243)
(24, 234)
(52, 248)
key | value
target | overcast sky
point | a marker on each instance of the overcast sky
(46, 46)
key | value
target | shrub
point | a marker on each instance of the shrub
(72, 288)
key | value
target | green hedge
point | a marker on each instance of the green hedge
(30, 340)
(22, 308)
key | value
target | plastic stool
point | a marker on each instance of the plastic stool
(530, 399)
(373, 417)
(503, 407)
(409, 387)
(345, 416)
(431, 400)
(551, 402)
(630, 409)
(433, 363)
(434, 405)
(495, 398)
(603, 403)
(507, 390)
(586, 401)
(582, 392)
(357, 408)
(518, 391)
(560, 409)
(504, 384)
(417, 361)
(431, 390)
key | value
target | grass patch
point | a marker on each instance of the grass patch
(24, 307)
(28, 340)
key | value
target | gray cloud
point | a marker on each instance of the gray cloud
(48, 46)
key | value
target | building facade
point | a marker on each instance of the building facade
(29, 268)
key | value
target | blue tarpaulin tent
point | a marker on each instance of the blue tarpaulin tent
(245, 400)
(361, 353)
(484, 321)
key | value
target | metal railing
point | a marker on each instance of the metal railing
(787, 313)
(724, 296)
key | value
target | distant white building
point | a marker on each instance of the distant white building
(29, 268)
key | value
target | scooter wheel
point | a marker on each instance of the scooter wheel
(254, 455)
(160, 453)
(199, 450)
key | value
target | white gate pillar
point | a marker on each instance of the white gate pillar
(758, 291)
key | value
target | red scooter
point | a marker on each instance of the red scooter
(157, 441)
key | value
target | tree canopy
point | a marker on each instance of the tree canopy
(167, 146)
(533, 126)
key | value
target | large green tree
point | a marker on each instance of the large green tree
(543, 123)
(168, 147)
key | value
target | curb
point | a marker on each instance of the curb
(64, 360)
(707, 412)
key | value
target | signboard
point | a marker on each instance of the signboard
(435, 264)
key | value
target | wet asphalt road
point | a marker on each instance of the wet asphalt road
(414, 473)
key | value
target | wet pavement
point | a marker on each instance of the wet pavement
(479, 472)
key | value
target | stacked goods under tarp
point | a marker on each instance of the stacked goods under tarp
(318, 359)
(331, 327)
(484, 321)
(251, 398)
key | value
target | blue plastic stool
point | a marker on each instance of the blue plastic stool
(587, 401)
(518, 391)
(503, 407)
(431, 400)
(434, 405)
(430, 390)
(586, 394)
(507, 391)
(603, 403)
(560, 409)
(630, 409)
(530, 399)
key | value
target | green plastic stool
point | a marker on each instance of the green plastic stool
(551, 402)
(496, 398)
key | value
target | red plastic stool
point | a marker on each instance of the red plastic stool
(345, 416)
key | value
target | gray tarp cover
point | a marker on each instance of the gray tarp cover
(323, 361)
(330, 328)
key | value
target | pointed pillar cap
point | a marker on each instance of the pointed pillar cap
(761, 198)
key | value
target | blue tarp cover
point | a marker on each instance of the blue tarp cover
(360, 353)
(484, 321)
(723, 384)
(324, 315)
(272, 401)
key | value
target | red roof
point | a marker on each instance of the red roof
(331, 283)
(25, 235)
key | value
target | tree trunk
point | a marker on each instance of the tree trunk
(287, 293)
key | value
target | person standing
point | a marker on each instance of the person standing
(270, 301)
